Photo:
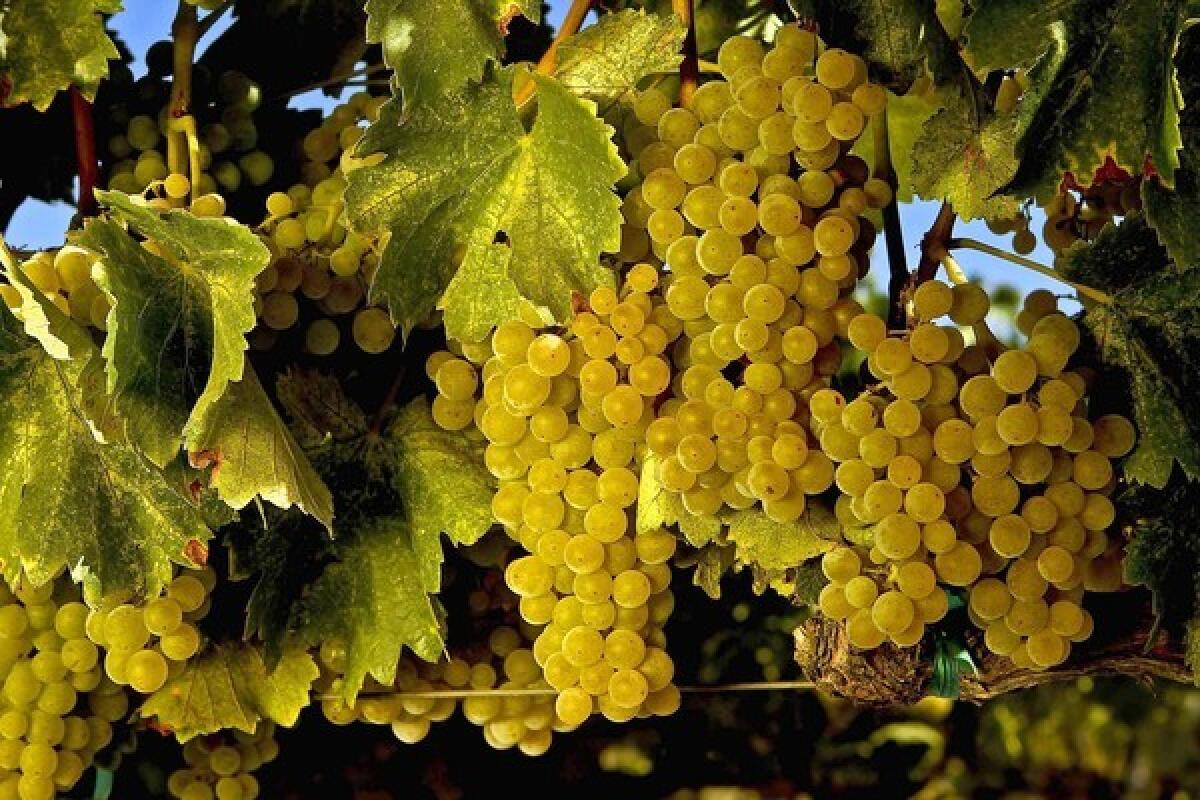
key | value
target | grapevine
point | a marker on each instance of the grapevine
(428, 406)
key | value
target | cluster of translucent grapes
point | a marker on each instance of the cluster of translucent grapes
(149, 642)
(220, 767)
(499, 657)
(760, 264)
(56, 706)
(65, 277)
(971, 466)
(564, 414)
(1070, 219)
(317, 260)
(227, 142)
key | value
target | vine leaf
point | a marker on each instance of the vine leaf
(254, 454)
(761, 541)
(49, 45)
(1107, 86)
(1164, 553)
(907, 116)
(407, 487)
(66, 499)
(1151, 331)
(964, 154)
(437, 46)
(176, 330)
(1172, 212)
(462, 177)
(373, 602)
(473, 313)
(441, 485)
(230, 687)
(605, 61)
(286, 554)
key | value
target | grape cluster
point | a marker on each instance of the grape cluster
(65, 277)
(220, 767)
(760, 264)
(149, 642)
(1071, 218)
(564, 413)
(316, 258)
(56, 706)
(971, 466)
(227, 142)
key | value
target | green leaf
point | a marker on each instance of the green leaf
(176, 331)
(1163, 553)
(228, 687)
(470, 311)
(773, 545)
(464, 176)
(403, 489)
(965, 155)
(605, 62)
(1172, 211)
(373, 602)
(1010, 33)
(1151, 332)
(49, 45)
(437, 46)
(68, 501)
(442, 484)
(286, 553)
(712, 562)
(320, 409)
(1106, 88)
(253, 452)
(658, 508)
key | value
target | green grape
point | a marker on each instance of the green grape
(836, 68)
(181, 644)
(146, 671)
(845, 122)
(373, 330)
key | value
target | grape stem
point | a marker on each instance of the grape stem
(389, 402)
(571, 24)
(689, 68)
(1085, 291)
(893, 232)
(934, 244)
(85, 153)
(185, 31)
(984, 336)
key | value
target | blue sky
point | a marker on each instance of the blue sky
(39, 225)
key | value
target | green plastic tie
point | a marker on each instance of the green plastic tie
(104, 784)
(950, 659)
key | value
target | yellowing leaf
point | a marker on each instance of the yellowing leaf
(176, 331)
(773, 545)
(66, 499)
(463, 177)
(605, 62)
(49, 45)
(253, 452)
(228, 687)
